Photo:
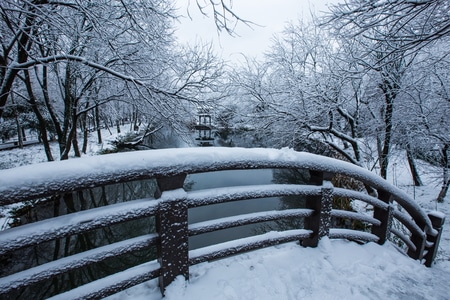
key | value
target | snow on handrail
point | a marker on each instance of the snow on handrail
(355, 216)
(340, 192)
(408, 222)
(21, 183)
(108, 285)
(404, 238)
(245, 244)
(339, 233)
(18, 184)
(50, 229)
(69, 263)
(224, 194)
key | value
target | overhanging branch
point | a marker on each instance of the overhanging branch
(84, 61)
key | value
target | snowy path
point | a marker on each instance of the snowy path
(337, 269)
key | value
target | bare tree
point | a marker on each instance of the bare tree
(391, 34)
(413, 23)
(424, 112)
(83, 51)
(305, 91)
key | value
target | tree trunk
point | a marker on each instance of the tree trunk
(385, 151)
(65, 139)
(97, 124)
(45, 141)
(444, 190)
(446, 175)
(41, 120)
(75, 146)
(84, 128)
(19, 128)
(51, 111)
(412, 165)
(118, 126)
(24, 135)
(24, 43)
(105, 121)
(390, 90)
(71, 138)
(85, 140)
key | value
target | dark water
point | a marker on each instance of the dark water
(223, 179)
(239, 178)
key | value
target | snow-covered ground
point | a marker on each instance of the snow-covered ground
(336, 269)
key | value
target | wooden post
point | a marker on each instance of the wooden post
(326, 206)
(385, 216)
(172, 225)
(437, 220)
(169, 183)
(320, 221)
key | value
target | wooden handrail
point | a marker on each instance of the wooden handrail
(170, 209)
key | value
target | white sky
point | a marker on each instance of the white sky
(270, 14)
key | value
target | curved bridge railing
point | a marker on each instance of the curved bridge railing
(419, 232)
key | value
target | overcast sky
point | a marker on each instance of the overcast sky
(272, 15)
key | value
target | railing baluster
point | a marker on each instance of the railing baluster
(438, 222)
(169, 183)
(419, 241)
(385, 216)
(320, 221)
(172, 225)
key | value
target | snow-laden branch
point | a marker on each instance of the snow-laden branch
(407, 24)
(342, 152)
(83, 60)
(334, 132)
(224, 16)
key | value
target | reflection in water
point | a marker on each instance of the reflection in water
(224, 179)
(50, 251)
(237, 178)
(287, 176)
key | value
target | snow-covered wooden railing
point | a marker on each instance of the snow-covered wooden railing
(421, 232)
